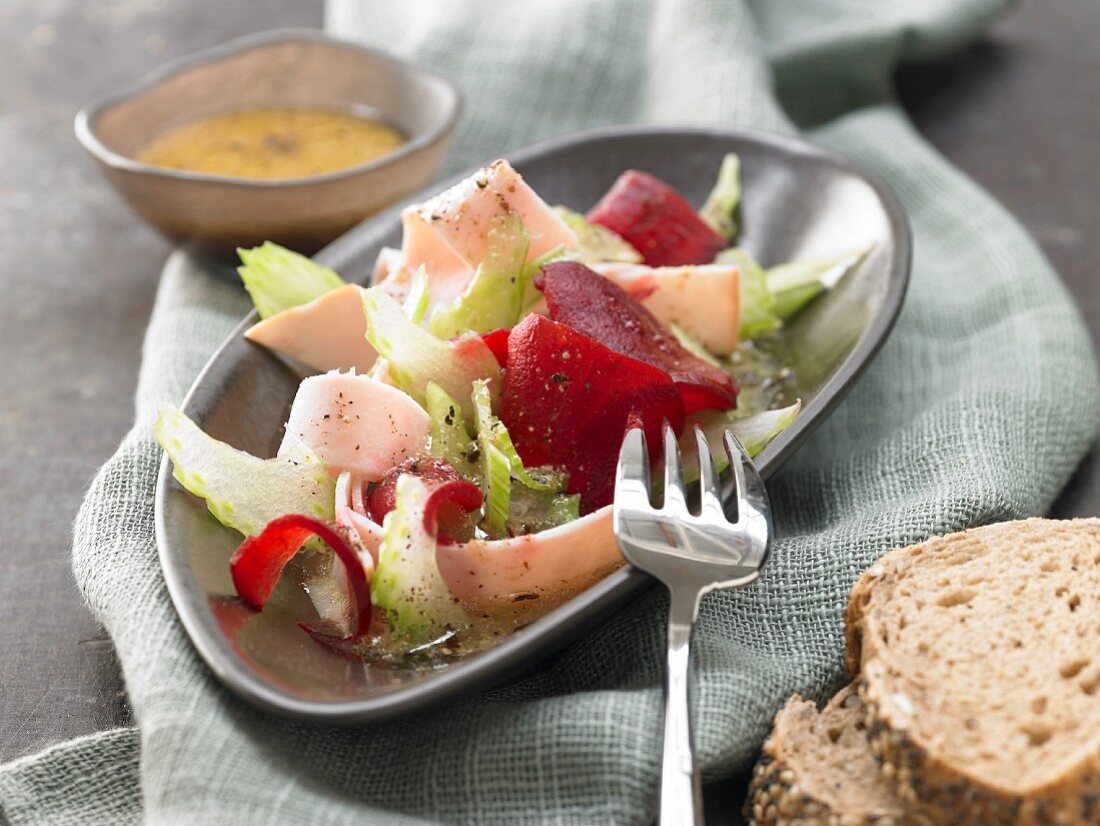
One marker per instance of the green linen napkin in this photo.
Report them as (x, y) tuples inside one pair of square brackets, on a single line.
[(977, 410)]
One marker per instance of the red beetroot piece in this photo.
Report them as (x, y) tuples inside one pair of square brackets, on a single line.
[(452, 498), (497, 342), (597, 307), (567, 401), (656, 220)]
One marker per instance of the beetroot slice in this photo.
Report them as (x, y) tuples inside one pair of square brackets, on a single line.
[(568, 399), (259, 561), (497, 342), (597, 307), (452, 498), (656, 220)]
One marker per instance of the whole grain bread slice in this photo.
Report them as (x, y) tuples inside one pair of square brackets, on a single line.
[(979, 656), (817, 769)]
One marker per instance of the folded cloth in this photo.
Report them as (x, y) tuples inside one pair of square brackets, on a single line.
[(977, 409)]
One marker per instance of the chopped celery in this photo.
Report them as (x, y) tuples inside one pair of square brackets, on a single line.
[(753, 432), (757, 302), (450, 438), (720, 210), (244, 492), (500, 463), (497, 483), (494, 298), (597, 243), (407, 583), (417, 301), (756, 430), (693, 345), (496, 465), (415, 357), (795, 284), (278, 279), (492, 430)]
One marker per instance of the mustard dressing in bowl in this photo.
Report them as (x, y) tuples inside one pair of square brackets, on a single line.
[(272, 143)]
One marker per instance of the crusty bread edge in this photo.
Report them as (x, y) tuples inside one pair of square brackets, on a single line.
[(775, 796), (774, 786), (1068, 800)]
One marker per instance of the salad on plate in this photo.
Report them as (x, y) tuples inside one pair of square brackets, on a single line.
[(447, 469)]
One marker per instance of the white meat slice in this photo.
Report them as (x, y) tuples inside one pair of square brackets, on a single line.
[(356, 423)]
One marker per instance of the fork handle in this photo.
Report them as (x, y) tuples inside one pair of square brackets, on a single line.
[(681, 794)]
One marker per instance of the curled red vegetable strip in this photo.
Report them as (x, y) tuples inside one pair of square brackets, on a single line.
[(256, 565), (448, 507), (452, 498)]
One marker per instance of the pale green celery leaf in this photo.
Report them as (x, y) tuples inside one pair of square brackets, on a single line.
[(416, 358), (494, 297), (406, 583), (757, 302), (720, 210), (450, 437), (418, 299), (531, 511), (242, 491), (795, 284), (596, 243), (693, 345), (278, 279), (753, 432)]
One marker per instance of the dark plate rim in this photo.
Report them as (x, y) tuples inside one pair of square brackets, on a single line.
[(508, 657)]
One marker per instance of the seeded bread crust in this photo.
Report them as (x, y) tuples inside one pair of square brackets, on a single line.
[(792, 785), (916, 764)]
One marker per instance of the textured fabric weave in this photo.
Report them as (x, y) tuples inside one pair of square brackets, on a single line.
[(977, 409)]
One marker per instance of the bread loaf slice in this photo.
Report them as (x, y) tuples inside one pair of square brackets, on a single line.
[(980, 662), (817, 769)]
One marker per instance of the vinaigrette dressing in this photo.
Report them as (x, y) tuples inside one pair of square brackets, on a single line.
[(272, 144)]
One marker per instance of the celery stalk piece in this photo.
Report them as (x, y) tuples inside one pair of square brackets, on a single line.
[(693, 345), (597, 243), (513, 492), (494, 297), (720, 210), (416, 358), (757, 302), (450, 437), (407, 583), (753, 432), (796, 284), (244, 492), (278, 279), (492, 430), (418, 299)]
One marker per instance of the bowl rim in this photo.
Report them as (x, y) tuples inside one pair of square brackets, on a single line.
[(88, 135), (512, 654)]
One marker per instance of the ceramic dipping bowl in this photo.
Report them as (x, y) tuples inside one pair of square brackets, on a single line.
[(284, 68)]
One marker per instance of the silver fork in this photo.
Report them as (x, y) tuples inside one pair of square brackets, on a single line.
[(692, 554)]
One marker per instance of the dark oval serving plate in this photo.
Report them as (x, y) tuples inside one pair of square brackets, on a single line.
[(798, 201)]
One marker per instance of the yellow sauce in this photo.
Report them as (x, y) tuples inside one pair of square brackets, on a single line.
[(272, 143)]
